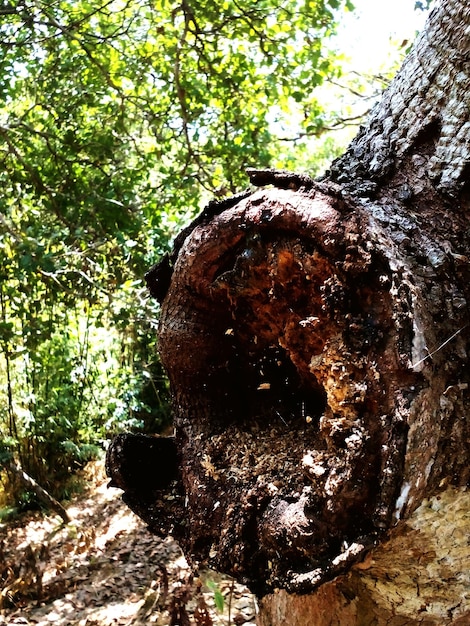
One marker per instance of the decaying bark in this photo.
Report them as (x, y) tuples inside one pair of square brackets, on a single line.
[(316, 337)]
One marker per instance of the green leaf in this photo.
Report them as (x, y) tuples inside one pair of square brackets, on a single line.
[(218, 597)]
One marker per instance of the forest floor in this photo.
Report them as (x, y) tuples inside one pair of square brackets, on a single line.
[(104, 568)]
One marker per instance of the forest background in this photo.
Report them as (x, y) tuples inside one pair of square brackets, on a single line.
[(119, 121)]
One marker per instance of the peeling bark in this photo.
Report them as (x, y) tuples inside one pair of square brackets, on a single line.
[(316, 337)]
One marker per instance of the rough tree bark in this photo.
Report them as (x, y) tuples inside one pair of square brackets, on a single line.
[(316, 337)]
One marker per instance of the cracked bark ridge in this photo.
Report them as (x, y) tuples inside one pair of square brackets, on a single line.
[(424, 110)]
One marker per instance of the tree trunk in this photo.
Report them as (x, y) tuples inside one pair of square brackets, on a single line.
[(316, 339)]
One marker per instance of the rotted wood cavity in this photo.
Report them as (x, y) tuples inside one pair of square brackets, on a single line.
[(280, 341)]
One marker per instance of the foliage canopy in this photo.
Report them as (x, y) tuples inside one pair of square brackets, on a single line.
[(119, 119)]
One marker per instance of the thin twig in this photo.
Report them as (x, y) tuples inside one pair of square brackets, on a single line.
[(428, 356)]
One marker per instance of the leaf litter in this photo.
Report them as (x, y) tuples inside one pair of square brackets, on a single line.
[(106, 569)]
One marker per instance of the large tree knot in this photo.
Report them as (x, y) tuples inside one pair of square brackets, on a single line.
[(276, 332)]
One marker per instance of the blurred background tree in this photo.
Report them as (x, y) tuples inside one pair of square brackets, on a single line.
[(119, 120)]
